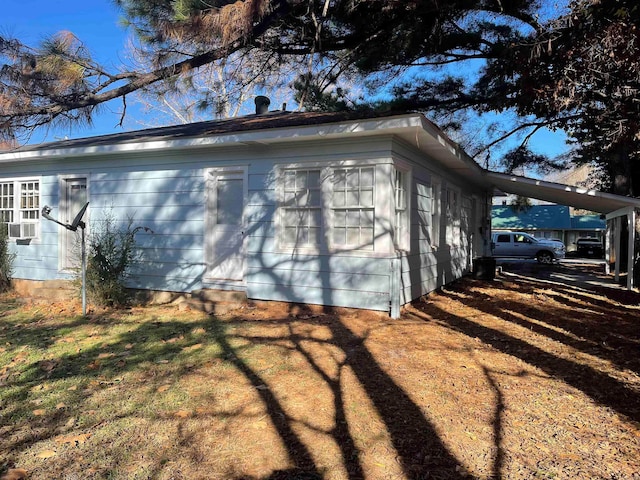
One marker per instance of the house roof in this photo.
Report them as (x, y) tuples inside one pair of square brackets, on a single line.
[(287, 127), (535, 217), (269, 121), (268, 129)]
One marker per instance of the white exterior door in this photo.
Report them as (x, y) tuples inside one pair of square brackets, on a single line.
[(224, 237), (74, 196)]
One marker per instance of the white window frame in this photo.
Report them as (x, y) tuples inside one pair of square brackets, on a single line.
[(327, 179), (436, 210), (17, 209), (452, 211), (402, 206), (296, 199), (362, 208)]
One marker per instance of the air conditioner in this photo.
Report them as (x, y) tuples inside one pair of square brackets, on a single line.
[(21, 231)]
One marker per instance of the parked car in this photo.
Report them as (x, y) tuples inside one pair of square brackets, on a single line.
[(589, 247), (523, 245)]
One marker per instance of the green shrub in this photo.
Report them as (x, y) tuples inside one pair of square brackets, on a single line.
[(111, 253), (6, 260)]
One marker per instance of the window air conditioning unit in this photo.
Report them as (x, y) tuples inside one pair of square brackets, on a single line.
[(22, 231)]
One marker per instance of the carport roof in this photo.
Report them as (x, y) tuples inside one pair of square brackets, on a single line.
[(578, 197)]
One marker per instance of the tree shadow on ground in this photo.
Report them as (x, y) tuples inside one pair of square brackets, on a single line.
[(598, 385), (144, 346), (420, 451)]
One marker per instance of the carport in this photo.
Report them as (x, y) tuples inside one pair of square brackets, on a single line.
[(621, 212)]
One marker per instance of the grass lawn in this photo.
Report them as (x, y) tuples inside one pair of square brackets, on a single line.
[(505, 379)]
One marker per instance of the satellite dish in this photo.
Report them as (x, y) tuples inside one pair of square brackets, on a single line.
[(76, 221)]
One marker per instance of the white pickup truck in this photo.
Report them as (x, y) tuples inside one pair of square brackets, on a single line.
[(523, 245)]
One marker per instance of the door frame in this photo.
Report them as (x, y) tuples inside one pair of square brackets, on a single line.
[(210, 176), (62, 207)]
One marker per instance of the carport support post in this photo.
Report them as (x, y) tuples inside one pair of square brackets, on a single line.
[(631, 217), (616, 242), (607, 246)]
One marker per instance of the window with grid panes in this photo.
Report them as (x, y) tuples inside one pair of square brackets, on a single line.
[(301, 213), (6, 202), (20, 206), (453, 217), (400, 197), (353, 207), (436, 196)]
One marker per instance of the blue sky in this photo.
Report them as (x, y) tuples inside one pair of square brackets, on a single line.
[(96, 24)]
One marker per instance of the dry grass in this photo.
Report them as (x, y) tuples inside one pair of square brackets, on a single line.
[(508, 379)]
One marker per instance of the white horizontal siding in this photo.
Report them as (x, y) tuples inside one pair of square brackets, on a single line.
[(423, 268), (165, 191), (321, 296)]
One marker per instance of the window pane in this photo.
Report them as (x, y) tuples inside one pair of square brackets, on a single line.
[(366, 236), (289, 180), (290, 235), (353, 198), (366, 198), (353, 236), (314, 235), (366, 220), (301, 179), (302, 198), (366, 177), (29, 229), (302, 214), (314, 178), (353, 178), (290, 198), (340, 218), (353, 218), (229, 202), (289, 217), (303, 236), (315, 218), (314, 198)]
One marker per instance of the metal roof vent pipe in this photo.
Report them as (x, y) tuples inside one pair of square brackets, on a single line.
[(262, 104)]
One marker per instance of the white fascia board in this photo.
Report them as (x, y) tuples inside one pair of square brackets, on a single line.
[(380, 126), (621, 212), (457, 158)]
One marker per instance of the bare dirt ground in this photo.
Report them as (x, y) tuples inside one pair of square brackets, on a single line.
[(515, 378)]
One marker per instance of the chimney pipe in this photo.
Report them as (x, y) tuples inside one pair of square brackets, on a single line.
[(262, 104)]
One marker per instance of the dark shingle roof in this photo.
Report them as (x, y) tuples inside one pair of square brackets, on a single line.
[(271, 120)]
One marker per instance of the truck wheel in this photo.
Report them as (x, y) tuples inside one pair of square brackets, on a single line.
[(544, 257)]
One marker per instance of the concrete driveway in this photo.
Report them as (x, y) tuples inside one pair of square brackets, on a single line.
[(584, 273)]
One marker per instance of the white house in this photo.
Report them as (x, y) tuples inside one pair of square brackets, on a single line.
[(334, 209)]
